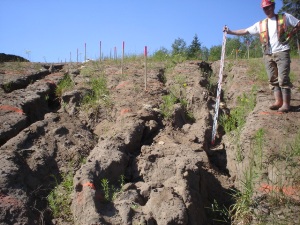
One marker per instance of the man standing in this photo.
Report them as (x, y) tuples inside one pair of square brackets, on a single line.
[(275, 32)]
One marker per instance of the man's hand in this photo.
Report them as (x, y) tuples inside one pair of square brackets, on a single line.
[(225, 29)]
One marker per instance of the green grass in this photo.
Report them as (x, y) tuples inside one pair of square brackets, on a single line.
[(283, 171), (59, 199), (98, 94), (293, 76), (243, 197), (93, 68), (177, 95), (258, 148), (7, 86), (240, 210), (257, 70), (168, 105), (285, 164), (219, 213), (106, 189), (64, 85), (111, 191), (238, 115)]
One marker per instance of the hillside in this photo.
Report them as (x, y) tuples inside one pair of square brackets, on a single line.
[(98, 143)]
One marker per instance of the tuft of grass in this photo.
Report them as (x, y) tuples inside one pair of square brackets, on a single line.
[(237, 118), (64, 85), (295, 146), (177, 95), (283, 173), (240, 210), (243, 198), (7, 87), (99, 94), (59, 199), (219, 214), (258, 148), (168, 105)]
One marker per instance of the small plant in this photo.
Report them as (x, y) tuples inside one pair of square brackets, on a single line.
[(177, 95), (295, 146), (237, 118), (136, 88), (219, 214), (106, 189), (240, 211), (64, 105), (83, 160), (282, 182), (134, 206), (283, 177), (99, 95), (258, 147), (243, 198), (229, 66), (110, 191), (59, 199), (181, 80), (178, 58), (7, 87), (64, 85), (122, 180), (168, 104)]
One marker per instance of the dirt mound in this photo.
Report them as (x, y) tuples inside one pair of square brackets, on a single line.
[(11, 58), (141, 154)]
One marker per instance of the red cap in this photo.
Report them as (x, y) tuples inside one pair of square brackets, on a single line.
[(265, 3)]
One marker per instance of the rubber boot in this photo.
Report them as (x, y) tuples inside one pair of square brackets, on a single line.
[(278, 99), (286, 96)]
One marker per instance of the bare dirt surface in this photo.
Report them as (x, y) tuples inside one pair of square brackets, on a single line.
[(171, 172)]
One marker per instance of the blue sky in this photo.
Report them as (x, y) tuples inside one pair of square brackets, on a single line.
[(52, 31)]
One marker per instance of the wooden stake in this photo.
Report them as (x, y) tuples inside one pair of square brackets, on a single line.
[(77, 56), (145, 55), (123, 56), (100, 52), (84, 52)]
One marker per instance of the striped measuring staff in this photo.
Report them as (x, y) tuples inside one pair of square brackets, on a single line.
[(215, 123)]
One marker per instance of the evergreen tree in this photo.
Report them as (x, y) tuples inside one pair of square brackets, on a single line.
[(194, 50)]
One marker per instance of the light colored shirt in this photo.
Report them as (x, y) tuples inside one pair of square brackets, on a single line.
[(275, 45)]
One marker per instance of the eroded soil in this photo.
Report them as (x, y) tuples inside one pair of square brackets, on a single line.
[(171, 172)]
